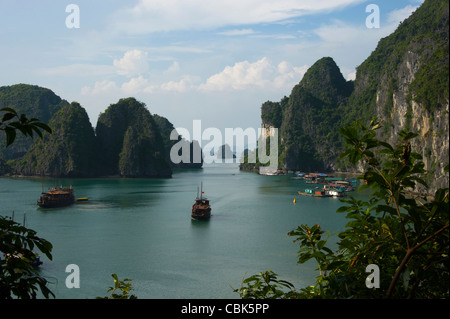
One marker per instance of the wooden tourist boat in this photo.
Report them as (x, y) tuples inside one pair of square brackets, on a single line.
[(57, 197), (201, 210)]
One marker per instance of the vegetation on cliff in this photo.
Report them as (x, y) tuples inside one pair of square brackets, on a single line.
[(35, 102), (71, 151), (130, 142), (18, 275), (166, 128), (404, 83), (310, 118), (424, 33), (393, 246)]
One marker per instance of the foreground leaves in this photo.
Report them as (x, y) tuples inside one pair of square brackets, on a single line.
[(12, 122), (121, 289), (19, 277), (405, 235), (265, 285)]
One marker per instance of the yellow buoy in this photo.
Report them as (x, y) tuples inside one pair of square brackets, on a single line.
[(295, 201)]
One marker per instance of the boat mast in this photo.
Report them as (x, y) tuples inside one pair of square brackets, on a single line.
[(201, 190)]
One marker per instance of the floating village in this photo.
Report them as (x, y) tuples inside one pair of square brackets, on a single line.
[(320, 184)]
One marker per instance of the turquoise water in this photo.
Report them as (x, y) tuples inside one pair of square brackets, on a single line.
[(141, 229)]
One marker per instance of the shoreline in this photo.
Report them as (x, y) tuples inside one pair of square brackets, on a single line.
[(84, 177), (409, 194), (248, 168)]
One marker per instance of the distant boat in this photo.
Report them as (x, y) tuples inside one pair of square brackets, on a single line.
[(57, 197), (201, 210), (335, 192), (314, 193)]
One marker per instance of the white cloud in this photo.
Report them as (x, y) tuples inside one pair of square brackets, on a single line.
[(175, 67), (100, 87), (134, 62), (351, 76), (261, 74), (140, 84), (237, 32), (185, 84), (168, 15), (289, 75), (341, 32), (135, 85), (399, 15), (240, 76)]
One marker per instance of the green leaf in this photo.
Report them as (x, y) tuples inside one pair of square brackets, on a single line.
[(9, 110), (10, 135), (8, 116)]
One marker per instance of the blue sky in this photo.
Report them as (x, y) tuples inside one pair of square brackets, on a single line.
[(214, 61)]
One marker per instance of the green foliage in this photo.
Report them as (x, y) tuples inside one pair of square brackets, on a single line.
[(265, 285), (424, 33), (406, 236), (35, 102), (312, 246), (166, 128), (272, 112), (70, 151), (32, 100), (121, 289), (12, 122), (130, 142), (18, 276), (323, 101), (431, 81), (309, 119)]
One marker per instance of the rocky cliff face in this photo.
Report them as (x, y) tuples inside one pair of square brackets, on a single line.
[(307, 120), (408, 75), (312, 109), (35, 102), (404, 83), (405, 113), (130, 141), (70, 151), (166, 128)]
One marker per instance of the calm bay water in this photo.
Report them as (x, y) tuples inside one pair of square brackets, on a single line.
[(141, 229)]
